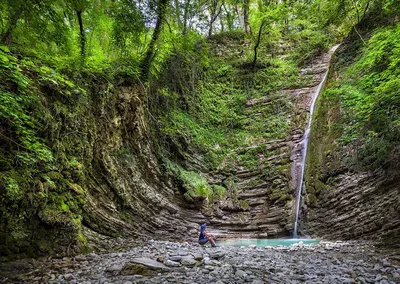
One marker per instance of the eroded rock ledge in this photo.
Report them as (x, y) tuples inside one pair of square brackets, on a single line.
[(356, 205)]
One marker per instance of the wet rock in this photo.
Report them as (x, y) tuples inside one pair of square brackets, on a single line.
[(257, 281), (198, 256), (385, 263), (80, 257), (342, 264), (348, 281), (206, 261), (182, 253), (298, 277), (352, 273), (361, 280)]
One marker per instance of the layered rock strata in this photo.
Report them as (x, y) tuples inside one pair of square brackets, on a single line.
[(357, 205), (343, 199), (128, 194), (269, 190)]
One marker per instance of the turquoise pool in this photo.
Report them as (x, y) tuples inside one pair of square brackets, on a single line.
[(266, 242)]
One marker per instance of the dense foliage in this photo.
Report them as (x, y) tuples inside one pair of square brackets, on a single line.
[(39, 182), (71, 33), (369, 95)]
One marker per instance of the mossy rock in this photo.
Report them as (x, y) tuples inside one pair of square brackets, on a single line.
[(76, 188), (285, 197), (56, 217), (244, 204), (54, 176)]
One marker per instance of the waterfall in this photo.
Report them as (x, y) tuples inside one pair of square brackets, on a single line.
[(304, 144)]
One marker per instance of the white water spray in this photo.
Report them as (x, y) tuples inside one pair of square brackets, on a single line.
[(304, 144)]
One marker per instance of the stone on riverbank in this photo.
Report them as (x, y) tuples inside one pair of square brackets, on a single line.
[(341, 262), (143, 266)]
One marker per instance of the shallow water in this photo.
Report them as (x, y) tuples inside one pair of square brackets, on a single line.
[(267, 242)]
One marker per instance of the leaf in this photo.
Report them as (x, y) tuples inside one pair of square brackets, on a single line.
[(4, 48), (4, 58)]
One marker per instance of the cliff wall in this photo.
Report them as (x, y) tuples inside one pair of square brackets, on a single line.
[(352, 181)]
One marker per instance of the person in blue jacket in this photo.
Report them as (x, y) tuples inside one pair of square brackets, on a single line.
[(205, 237)]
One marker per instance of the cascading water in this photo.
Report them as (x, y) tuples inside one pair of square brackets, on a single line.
[(304, 144)]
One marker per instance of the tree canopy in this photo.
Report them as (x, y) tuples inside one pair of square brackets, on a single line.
[(67, 32)]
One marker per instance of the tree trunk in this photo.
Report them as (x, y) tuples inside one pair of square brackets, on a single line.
[(366, 8), (286, 26), (246, 8), (257, 43), (239, 16), (229, 18), (214, 13), (185, 17), (7, 36), (81, 32), (146, 62), (178, 14)]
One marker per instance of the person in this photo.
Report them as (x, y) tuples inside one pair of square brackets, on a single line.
[(205, 237)]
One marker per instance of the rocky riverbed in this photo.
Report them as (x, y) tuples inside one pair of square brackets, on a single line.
[(171, 262)]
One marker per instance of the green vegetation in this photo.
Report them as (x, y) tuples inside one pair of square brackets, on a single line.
[(213, 115), (193, 184), (38, 183), (356, 125), (367, 93), (371, 100), (210, 113), (84, 83)]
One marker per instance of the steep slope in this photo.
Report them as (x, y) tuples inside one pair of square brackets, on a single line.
[(265, 193), (353, 176), (76, 159)]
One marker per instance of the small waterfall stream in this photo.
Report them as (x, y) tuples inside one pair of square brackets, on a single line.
[(304, 144)]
